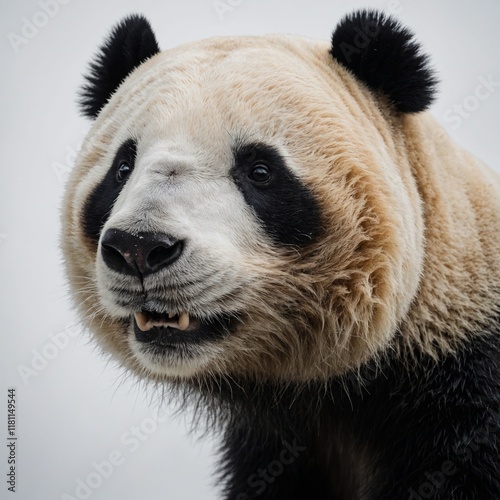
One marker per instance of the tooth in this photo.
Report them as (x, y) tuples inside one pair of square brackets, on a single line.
[(183, 321), (143, 321), (171, 315)]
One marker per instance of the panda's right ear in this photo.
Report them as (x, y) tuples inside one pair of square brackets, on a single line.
[(129, 44)]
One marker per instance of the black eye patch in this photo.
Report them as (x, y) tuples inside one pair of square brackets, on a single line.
[(284, 205), (99, 204)]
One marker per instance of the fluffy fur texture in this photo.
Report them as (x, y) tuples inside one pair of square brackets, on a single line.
[(357, 360), (383, 54), (130, 43)]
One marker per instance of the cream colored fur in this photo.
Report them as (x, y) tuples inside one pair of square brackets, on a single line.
[(411, 221)]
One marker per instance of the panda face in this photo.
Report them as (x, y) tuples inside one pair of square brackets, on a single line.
[(240, 206), (179, 240)]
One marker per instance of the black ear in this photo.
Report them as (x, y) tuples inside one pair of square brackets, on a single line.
[(383, 54), (129, 44)]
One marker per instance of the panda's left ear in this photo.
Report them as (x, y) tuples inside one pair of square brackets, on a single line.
[(129, 44), (384, 55)]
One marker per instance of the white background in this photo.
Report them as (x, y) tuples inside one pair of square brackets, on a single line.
[(76, 409)]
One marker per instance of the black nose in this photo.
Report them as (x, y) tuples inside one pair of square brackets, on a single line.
[(141, 254)]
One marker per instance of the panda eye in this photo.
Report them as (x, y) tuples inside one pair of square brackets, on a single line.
[(260, 174), (122, 171)]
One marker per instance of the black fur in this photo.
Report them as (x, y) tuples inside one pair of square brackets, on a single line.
[(100, 202), (283, 203), (431, 431), (384, 55), (130, 43)]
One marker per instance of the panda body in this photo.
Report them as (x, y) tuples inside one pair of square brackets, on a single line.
[(275, 229)]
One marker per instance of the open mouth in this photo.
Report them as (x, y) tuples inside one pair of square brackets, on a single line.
[(171, 330), (146, 320)]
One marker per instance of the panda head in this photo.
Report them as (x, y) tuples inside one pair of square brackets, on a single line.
[(244, 206)]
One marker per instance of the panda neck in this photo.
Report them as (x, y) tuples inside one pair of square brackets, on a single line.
[(460, 285)]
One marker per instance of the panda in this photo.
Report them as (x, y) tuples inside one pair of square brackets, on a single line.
[(276, 231)]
